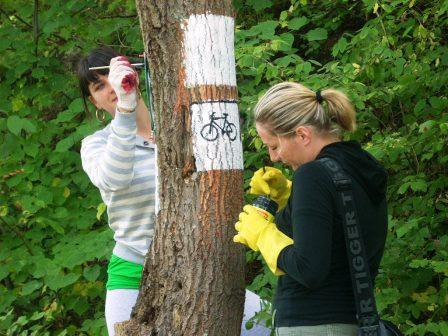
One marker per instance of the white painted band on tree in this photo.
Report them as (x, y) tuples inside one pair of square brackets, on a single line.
[(216, 136), (209, 52)]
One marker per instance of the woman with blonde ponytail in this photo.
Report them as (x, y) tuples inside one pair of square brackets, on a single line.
[(305, 246)]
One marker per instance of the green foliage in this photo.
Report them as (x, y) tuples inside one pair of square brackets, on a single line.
[(54, 238), (389, 56)]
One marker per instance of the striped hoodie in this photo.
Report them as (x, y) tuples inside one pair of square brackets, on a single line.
[(122, 166)]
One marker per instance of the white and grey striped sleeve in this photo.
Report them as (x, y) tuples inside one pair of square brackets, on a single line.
[(108, 159)]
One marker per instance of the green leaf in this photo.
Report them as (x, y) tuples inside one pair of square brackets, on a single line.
[(437, 102), (74, 138), (65, 144), (315, 62), (246, 61), (91, 273), (31, 149), (271, 72), (364, 32), (340, 46), (29, 126), (101, 208), (317, 34), (416, 263), (15, 124), (287, 39), (37, 316), (66, 115), (399, 66), (407, 227), (421, 104), (20, 69), (4, 272), (84, 247), (283, 62), (60, 213), (44, 194), (440, 266), (76, 105), (297, 23), (419, 185), (80, 306), (266, 29), (303, 68), (426, 126), (4, 43), (7, 297), (259, 5), (32, 204), (38, 73), (58, 281), (283, 16), (386, 297), (56, 226), (30, 287), (50, 26), (43, 266)]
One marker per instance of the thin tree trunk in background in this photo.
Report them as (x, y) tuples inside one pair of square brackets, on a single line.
[(193, 281)]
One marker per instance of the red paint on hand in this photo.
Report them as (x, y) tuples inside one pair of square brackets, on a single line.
[(124, 59), (129, 82)]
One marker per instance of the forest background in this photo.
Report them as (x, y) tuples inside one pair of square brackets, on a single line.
[(389, 56)]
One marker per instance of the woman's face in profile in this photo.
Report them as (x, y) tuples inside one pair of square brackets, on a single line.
[(285, 149), (102, 95)]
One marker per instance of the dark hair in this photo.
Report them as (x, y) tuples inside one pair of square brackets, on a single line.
[(97, 57)]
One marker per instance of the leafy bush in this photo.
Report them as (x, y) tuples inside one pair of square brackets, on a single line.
[(54, 237)]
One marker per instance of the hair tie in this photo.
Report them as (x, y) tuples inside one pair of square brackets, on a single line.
[(319, 97)]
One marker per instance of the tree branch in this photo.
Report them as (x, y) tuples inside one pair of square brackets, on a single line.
[(36, 25), (118, 17), (17, 17), (19, 234), (29, 25)]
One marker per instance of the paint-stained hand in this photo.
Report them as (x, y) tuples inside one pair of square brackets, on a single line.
[(124, 80)]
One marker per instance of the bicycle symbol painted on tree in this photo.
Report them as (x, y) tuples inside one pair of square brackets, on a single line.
[(210, 131)]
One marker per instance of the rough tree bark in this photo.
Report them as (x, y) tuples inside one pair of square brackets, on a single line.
[(193, 280)]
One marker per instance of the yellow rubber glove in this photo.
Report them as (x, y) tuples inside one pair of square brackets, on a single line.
[(261, 235), (249, 227), (271, 242), (271, 182)]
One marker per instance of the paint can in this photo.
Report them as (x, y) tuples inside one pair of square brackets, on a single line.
[(266, 207)]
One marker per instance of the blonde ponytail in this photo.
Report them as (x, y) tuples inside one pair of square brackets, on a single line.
[(340, 109), (288, 105)]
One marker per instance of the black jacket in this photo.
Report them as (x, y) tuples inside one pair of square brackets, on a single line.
[(317, 286)]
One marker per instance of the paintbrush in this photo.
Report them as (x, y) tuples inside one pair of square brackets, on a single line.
[(135, 65)]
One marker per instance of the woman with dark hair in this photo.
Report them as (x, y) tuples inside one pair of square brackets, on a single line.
[(306, 246), (120, 161)]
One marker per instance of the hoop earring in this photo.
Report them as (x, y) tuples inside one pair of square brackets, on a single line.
[(100, 115)]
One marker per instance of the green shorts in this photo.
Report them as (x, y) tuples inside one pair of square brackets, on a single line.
[(123, 274)]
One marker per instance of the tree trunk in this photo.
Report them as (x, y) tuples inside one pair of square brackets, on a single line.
[(193, 279)]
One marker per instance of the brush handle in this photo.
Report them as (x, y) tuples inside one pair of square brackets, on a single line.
[(135, 65)]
